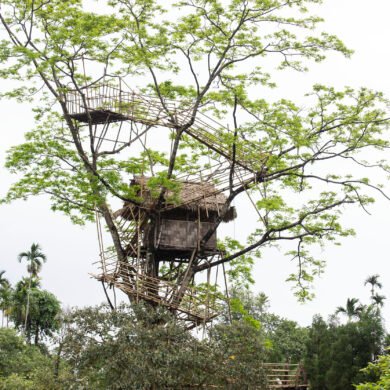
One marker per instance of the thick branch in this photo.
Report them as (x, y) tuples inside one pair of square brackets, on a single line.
[(268, 235)]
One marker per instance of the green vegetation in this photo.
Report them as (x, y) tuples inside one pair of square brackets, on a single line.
[(309, 164), (380, 369), (336, 353), (103, 349), (5, 298), (44, 308), (34, 258), (23, 366), (31, 310), (160, 355), (351, 310), (285, 338), (144, 347)]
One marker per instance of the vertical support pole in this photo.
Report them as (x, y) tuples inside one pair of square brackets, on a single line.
[(207, 313), (227, 293), (120, 95)]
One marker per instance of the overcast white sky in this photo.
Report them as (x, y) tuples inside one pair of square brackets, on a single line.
[(363, 26)]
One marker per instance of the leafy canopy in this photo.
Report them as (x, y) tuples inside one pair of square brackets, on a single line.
[(212, 56)]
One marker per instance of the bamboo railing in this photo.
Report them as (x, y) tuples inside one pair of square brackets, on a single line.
[(278, 376), (105, 103), (198, 305), (285, 376)]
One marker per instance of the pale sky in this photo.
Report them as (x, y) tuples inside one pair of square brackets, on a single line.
[(364, 27)]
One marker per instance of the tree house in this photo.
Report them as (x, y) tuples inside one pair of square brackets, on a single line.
[(187, 215), (166, 225)]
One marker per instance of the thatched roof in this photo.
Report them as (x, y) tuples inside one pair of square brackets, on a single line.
[(187, 195)]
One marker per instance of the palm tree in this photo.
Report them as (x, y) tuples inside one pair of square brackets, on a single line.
[(2, 278), (5, 301), (379, 300), (262, 301), (19, 299), (34, 257), (373, 281), (351, 310), (4, 287)]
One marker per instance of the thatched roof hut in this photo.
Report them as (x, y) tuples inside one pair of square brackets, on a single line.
[(184, 199), (189, 211)]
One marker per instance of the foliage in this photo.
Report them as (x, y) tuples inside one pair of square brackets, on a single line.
[(336, 354), (98, 348), (380, 369), (42, 317), (5, 297), (351, 310), (123, 350), (34, 258), (373, 281), (3, 281), (286, 340), (317, 359), (23, 366), (378, 300), (240, 269), (145, 347), (112, 350), (240, 348)]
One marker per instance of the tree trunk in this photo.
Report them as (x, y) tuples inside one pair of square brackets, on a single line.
[(36, 339), (57, 361), (28, 303)]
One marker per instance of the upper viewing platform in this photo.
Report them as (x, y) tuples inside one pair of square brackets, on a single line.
[(104, 104)]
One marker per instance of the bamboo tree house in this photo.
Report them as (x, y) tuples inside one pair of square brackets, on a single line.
[(166, 226), (179, 227)]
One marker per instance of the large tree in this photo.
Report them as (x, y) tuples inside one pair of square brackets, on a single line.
[(24, 366), (336, 354), (42, 318), (286, 338), (148, 348), (210, 57)]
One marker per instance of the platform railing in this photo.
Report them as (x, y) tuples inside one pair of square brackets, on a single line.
[(199, 304), (150, 110), (285, 376)]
